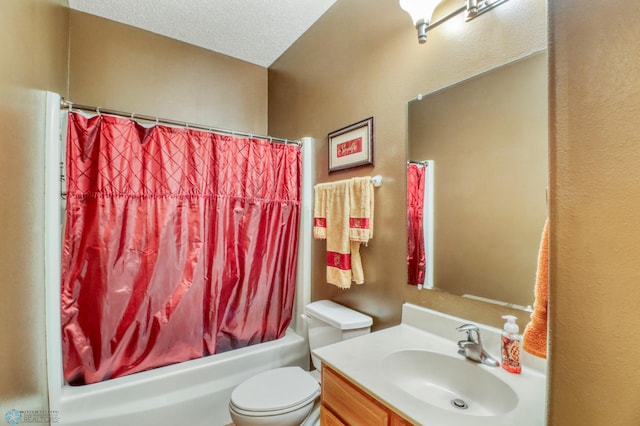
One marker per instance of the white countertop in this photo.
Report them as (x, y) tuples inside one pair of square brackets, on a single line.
[(361, 360)]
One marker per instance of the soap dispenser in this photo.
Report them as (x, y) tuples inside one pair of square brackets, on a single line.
[(511, 345)]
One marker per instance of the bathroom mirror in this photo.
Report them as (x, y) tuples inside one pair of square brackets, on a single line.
[(487, 138)]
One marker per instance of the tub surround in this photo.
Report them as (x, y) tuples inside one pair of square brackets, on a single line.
[(361, 361)]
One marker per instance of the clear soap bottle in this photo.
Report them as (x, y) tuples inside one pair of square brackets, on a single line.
[(511, 340)]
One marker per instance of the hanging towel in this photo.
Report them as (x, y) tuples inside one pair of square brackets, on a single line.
[(360, 222), (331, 222), (343, 216), (361, 210), (534, 339), (320, 211)]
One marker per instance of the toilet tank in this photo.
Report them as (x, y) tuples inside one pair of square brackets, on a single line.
[(330, 322)]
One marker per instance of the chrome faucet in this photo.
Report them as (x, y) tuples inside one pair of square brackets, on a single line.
[(472, 347)]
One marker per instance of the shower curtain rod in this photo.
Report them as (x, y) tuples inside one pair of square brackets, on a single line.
[(65, 104), (420, 163)]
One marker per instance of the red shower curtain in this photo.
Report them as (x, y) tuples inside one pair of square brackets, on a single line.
[(416, 261), (178, 244)]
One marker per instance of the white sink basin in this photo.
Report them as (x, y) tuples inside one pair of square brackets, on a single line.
[(449, 382)]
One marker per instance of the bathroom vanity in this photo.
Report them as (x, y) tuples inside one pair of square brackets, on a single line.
[(412, 374)]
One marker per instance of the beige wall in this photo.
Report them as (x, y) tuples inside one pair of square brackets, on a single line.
[(595, 211), (359, 61), (124, 68), (34, 37)]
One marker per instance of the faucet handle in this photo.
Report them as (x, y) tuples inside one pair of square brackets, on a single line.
[(471, 328), (468, 327)]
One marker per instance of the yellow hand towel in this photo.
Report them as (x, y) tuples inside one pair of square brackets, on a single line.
[(534, 339), (361, 210), (320, 212), (331, 222), (360, 222)]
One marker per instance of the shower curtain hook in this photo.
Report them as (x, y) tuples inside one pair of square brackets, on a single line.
[(98, 111), (132, 117)]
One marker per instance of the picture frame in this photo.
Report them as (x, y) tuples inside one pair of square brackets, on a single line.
[(351, 146)]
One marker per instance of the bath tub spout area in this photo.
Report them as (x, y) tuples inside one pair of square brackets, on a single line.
[(194, 393)]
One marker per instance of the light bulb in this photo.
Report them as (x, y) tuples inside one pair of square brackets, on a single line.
[(419, 10)]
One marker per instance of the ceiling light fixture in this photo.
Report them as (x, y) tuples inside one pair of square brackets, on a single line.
[(422, 10)]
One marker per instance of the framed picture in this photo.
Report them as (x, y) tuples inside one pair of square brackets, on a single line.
[(351, 146)]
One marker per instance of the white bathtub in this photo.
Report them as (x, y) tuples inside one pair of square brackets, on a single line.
[(194, 393)]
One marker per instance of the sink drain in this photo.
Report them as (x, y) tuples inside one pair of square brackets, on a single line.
[(459, 403)]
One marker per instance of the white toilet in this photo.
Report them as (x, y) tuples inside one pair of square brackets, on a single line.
[(285, 396)]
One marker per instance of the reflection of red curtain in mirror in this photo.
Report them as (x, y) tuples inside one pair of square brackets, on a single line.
[(178, 244), (416, 261)]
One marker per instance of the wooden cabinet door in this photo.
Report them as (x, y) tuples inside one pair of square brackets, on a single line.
[(350, 404), (327, 418), (396, 420)]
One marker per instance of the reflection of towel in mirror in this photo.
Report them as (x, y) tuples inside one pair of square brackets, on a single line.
[(343, 215), (534, 339)]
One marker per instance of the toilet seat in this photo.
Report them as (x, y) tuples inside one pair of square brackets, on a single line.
[(275, 392)]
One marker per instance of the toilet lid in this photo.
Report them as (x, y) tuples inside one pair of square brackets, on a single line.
[(276, 389)]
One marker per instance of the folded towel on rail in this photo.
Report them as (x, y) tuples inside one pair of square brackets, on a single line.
[(320, 211), (534, 339), (360, 221), (343, 215), (361, 210)]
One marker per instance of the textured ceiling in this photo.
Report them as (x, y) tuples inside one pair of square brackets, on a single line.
[(256, 31)]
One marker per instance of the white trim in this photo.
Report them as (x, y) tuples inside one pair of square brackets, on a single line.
[(52, 250), (303, 282), (429, 212)]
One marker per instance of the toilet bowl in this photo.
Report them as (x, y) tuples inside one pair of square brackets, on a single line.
[(286, 396), (282, 396)]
